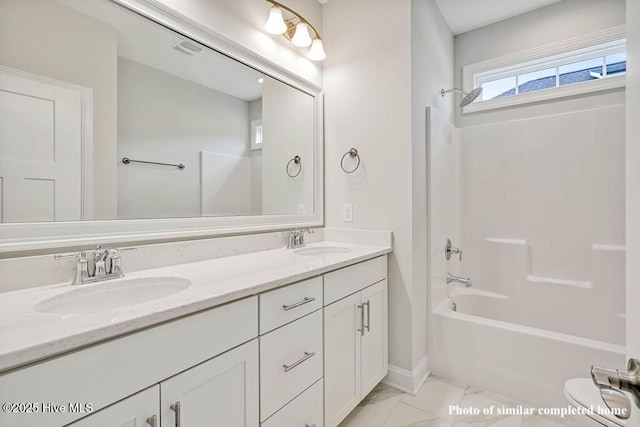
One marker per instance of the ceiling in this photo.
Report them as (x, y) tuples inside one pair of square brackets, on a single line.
[(148, 43), (467, 15)]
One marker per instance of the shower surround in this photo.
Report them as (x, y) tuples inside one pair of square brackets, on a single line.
[(537, 204)]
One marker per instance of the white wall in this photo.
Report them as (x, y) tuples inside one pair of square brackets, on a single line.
[(63, 44), (367, 84), (374, 95), (633, 178), (242, 21), (287, 129), (559, 21), (164, 118)]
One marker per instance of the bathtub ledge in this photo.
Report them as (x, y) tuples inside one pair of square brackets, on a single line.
[(562, 282)]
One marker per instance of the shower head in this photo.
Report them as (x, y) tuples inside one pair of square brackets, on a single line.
[(468, 97)]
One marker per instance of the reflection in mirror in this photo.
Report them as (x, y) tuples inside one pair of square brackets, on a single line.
[(91, 84)]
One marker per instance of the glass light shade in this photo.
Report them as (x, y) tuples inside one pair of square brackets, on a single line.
[(316, 52), (301, 37), (275, 24)]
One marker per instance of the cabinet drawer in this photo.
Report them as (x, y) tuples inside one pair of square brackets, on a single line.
[(285, 305), (304, 410), (290, 361), (346, 281)]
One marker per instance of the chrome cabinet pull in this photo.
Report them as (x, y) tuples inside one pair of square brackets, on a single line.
[(361, 330), (176, 408), (287, 368), (306, 300), (152, 421), (367, 326), (307, 425)]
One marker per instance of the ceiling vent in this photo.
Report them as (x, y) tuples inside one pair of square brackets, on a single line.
[(188, 48)]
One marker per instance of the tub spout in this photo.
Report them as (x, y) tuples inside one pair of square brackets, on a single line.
[(462, 280)]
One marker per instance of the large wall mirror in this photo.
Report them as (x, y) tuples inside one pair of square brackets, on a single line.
[(107, 116)]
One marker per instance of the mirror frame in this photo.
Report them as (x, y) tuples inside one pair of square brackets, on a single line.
[(19, 237)]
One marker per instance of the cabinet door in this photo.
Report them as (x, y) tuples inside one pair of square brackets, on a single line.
[(139, 410), (374, 340), (221, 392), (342, 325)]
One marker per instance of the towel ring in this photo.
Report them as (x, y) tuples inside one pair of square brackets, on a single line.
[(298, 161), (353, 153)]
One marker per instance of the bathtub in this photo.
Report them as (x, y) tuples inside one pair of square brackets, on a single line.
[(476, 346)]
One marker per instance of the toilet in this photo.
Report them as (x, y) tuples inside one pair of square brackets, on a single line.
[(583, 394)]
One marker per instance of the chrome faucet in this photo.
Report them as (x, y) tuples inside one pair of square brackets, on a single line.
[(106, 265), (99, 261), (612, 383), (296, 237), (462, 280)]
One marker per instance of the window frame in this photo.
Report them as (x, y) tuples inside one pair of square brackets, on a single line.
[(601, 43), (255, 143)]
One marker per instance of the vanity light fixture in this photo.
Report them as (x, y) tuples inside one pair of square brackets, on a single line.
[(295, 29)]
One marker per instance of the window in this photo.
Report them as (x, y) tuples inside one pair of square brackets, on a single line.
[(591, 63), (256, 135)]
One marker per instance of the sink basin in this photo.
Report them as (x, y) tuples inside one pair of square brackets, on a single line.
[(322, 250), (109, 295)]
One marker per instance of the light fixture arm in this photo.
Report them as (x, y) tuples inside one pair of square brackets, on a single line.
[(297, 15)]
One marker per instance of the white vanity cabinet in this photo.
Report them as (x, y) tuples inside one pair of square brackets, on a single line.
[(301, 355), (355, 337)]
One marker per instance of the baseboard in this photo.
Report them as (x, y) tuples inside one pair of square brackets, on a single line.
[(408, 381)]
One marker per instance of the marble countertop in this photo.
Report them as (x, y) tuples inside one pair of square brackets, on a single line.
[(27, 336)]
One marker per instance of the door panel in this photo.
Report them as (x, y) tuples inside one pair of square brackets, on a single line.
[(40, 151), (374, 340), (221, 392), (342, 349)]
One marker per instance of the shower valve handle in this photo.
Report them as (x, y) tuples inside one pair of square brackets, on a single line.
[(451, 250)]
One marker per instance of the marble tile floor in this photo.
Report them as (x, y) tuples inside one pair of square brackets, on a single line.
[(388, 407)]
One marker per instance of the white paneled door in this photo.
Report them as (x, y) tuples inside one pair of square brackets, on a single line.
[(342, 348), (40, 150), (374, 341), (221, 392)]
